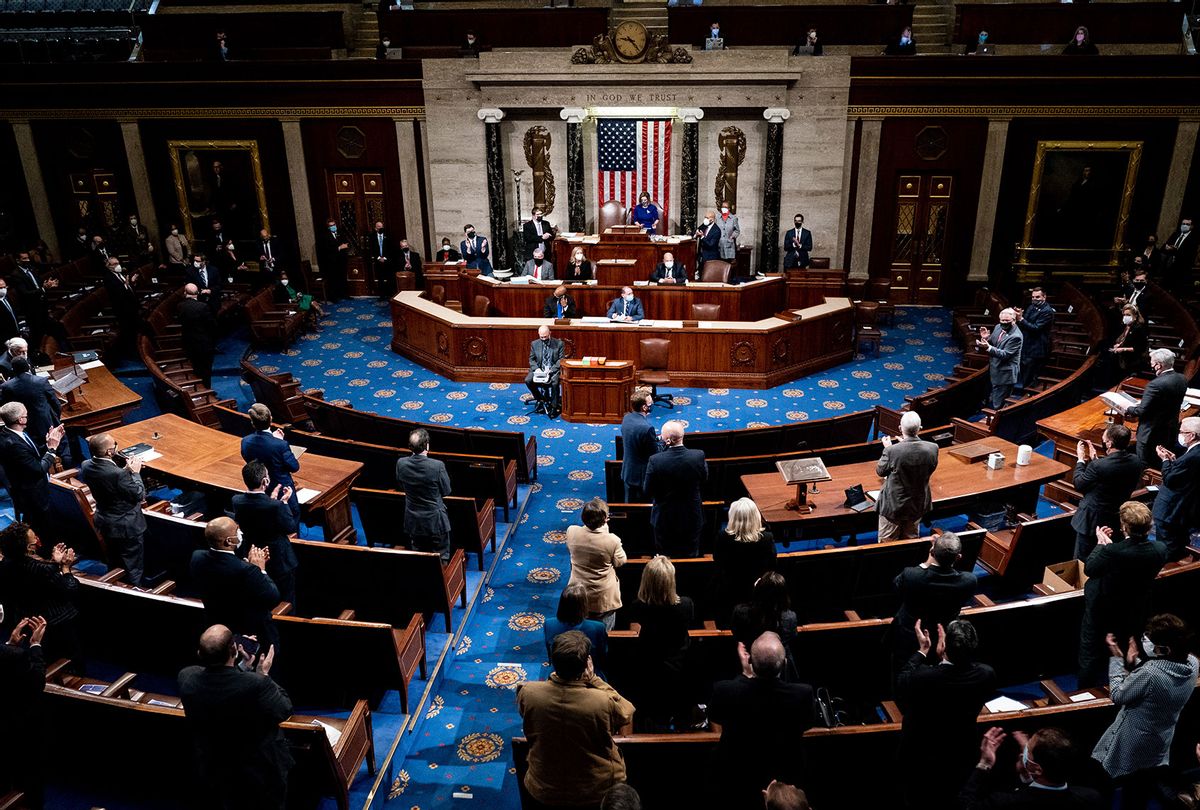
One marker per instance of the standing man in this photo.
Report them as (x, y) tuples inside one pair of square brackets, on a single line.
[(668, 272), (537, 232), (198, 333), (1036, 323), (673, 480), (38, 397), (1106, 482), (380, 253), (797, 244), (30, 293), (1179, 255), (545, 360), (638, 443), (268, 253), (22, 687), (27, 467), (234, 716), (560, 305), (116, 485), (10, 323), (709, 235), (730, 231), (626, 308), (208, 281), (333, 254), (1177, 504), (137, 240), (409, 261), (931, 593), (1158, 411), (124, 301), (269, 447), (237, 593), (475, 250), (266, 521), (905, 468), (537, 268), (1003, 347), (425, 483)]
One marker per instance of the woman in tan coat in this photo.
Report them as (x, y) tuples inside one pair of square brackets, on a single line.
[(595, 556)]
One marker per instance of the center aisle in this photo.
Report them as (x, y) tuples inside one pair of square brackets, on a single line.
[(461, 741)]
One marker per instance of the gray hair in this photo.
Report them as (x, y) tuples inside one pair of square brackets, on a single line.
[(16, 343), (946, 549), (910, 423), (1164, 357), (12, 412), (767, 656)]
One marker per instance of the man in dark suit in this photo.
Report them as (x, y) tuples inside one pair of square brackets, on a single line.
[(1158, 411), (905, 467), (1177, 504), (1003, 348), (266, 520), (425, 483), (26, 467), (124, 301), (10, 323), (100, 254), (673, 480), (931, 593), (269, 447), (236, 593), (1116, 597), (639, 442), (269, 253), (626, 308), (208, 280), (38, 397), (762, 721), (537, 232), (30, 292), (1179, 257), (408, 260), (1036, 323), (476, 250), (709, 234), (234, 716), (560, 305), (797, 244), (116, 485), (941, 691), (669, 271), (14, 348), (22, 682), (545, 360), (1043, 767), (198, 333), (1106, 482), (1135, 294), (380, 250), (333, 254)]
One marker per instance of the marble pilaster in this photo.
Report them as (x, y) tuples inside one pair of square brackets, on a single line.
[(136, 159), (768, 253), (36, 184), (293, 145), (410, 186), (689, 175), (497, 198), (864, 197), (989, 196), (1181, 168), (576, 215)]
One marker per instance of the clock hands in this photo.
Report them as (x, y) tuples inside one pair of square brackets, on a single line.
[(630, 41)]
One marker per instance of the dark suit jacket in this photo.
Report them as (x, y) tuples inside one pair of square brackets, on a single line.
[(119, 493), (1182, 259), (199, 327), (980, 794), (331, 260), (276, 254), (387, 252), (216, 283), (266, 522), (710, 244), (934, 595), (234, 718), (9, 320), (1036, 324), (1106, 483), (1178, 499), (639, 442), (532, 240), (425, 482), (478, 254), (447, 255), (414, 261), (123, 299), (29, 293), (550, 310), (22, 681), (793, 256), (906, 467), (894, 48), (25, 469), (235, 594), (38, 397), (1116, 597), (633, 310), (585, 272), (549, 356), (673, 480), (678, 272), (273, 452), (1158, 414)]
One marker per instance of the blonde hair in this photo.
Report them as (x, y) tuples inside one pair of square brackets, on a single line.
[(1135, 518), (745, 521), (658, 583)]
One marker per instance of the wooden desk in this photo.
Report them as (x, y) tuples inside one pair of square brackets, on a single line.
[(197, 455), (102, 403), (648, 254), (596, 393), (1086, 420), (954, 485)]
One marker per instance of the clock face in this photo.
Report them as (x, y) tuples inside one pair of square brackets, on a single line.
[(629, 39)]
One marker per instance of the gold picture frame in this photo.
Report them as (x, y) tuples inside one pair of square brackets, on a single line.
[(239, 200), (1070, 220)]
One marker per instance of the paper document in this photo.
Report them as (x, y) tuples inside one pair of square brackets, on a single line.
[(332, 733), (304, 494), (1004, 704), (1083, 697), (92, 688), (163, 703), (297, 450), (1118, 399), (148, 455), (91, 365), (873, 494)]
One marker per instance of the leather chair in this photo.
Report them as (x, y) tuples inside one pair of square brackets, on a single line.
[(716, 270), (611, 213), (856, 289), (880, 289), (662, 224), (866, 313), (706, 312), (437, 294), (483, 306), (652, 367), (818, 262)]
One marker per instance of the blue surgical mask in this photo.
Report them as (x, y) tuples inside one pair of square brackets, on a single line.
[(1147, 647), (333, 228)]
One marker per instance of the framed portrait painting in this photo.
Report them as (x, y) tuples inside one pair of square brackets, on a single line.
[(219, 181)]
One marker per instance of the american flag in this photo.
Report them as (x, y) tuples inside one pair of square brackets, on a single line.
[(635, 156)]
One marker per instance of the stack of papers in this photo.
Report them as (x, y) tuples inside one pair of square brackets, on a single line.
[(304, 494), (1004, 704), (1118, 399)]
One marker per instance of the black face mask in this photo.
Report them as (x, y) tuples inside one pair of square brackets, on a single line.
[(1139, 285), (799, 225)]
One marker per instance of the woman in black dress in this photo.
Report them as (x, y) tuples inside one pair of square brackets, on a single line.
[(663, 641), (743, 553), (769, 608)]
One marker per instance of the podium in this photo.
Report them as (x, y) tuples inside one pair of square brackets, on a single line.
[(595, 393)]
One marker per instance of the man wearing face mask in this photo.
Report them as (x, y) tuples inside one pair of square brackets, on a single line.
[(9, 322), (537, 231), (116, 485), (1106, 482), (333, 253), (177, 249), (1177, 504), (137, 240), (124, 301), (446, 253), (545, 359), (538, 268), (904, 45), (797, 244), (669, 271), (1003, 348), (811, 46), (1043, 769), (409, 261), (380, 249), (198, 328), (709, 235), (626, 308), (1158, 411), (1036, 323), (476, 250), (80, 246), (1179, 256), (981, 42), (1151, 258), (208, 281), (30, 293), (714, 35), (560, 305)]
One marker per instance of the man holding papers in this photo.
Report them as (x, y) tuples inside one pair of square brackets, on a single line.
[(1158, 410), (626, 309)]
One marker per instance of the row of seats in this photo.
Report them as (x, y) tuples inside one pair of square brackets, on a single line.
[(57, 6), (66, 46)]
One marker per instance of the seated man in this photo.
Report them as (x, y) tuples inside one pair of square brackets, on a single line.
[(669, 271), (626, 309), (560, 305), (537, 268), (545, 357)]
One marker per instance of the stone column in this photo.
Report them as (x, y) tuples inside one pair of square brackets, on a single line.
[(1181, 167), (293, 144), (136, 159), (864, 216), (410, 184), (497, 202), (689, 180), (576, 216), (768, 252), (36, 184), (989, 196)]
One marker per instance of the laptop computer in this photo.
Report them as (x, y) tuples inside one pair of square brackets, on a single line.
[(714, 44)]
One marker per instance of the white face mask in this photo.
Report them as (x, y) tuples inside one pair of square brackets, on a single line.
[(174, 232), (1147, 647), (578, 257), (1181, 438), (1184, 228), (283, 281), (630, 298), (668, 265), (724, 210), (3, 293), (1127, 319), (707, 221)]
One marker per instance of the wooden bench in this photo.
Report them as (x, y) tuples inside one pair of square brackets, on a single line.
[(270, 325), (1021, 553), (279, 392), (472, 527)]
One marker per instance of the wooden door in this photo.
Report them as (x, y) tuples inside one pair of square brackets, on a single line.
[(357, 200), (920, 237)]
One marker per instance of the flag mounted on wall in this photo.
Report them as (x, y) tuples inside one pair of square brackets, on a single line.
[(635, 156)]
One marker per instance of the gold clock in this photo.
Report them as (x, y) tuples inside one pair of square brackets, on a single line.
[(629, 40)]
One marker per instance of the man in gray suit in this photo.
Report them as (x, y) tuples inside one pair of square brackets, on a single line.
[(905, 467), (538, 268), (424, 482), (116, 484), (1158, 412), (545, 360), (1003, 347)]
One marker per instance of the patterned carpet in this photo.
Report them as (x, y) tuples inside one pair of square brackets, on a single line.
[(460, 743)]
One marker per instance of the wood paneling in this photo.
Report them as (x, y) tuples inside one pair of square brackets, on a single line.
[(17, 226), (251, 35), (647, 254), (787, 24), (1037, 23), (495, 27)]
